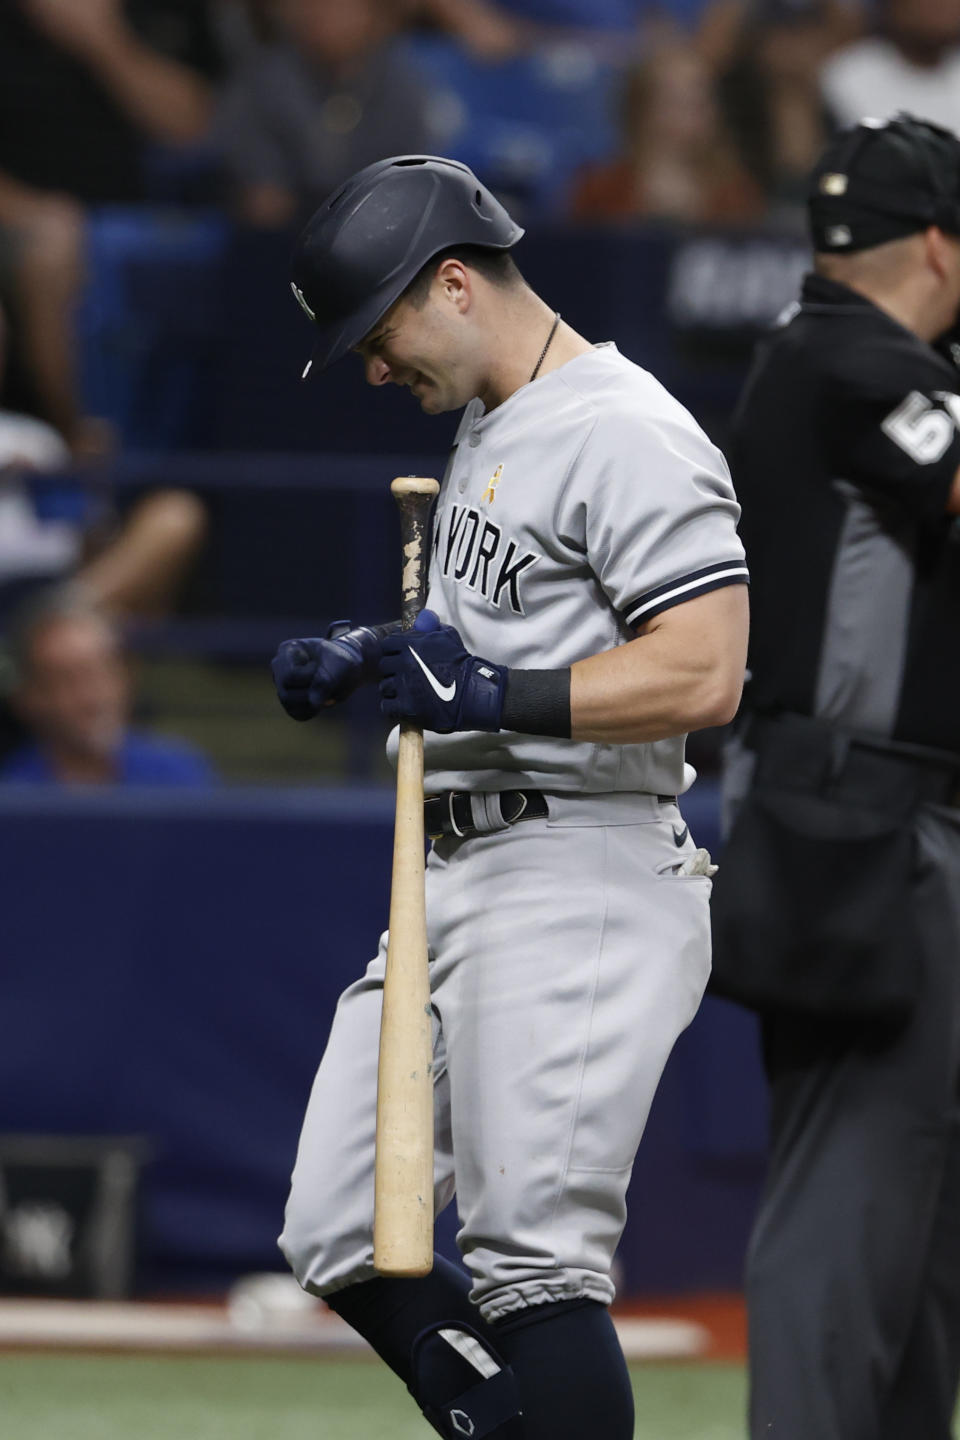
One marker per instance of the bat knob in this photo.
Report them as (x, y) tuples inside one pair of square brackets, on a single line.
[(407, 486)]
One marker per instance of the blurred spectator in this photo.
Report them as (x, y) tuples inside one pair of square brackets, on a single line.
[(487, 30), (496, 29), (721, 23), (677, 162), (911, 63), (86, 87), (72, 690), (610, 16), (770, 93), (330, 94), (133, 567)]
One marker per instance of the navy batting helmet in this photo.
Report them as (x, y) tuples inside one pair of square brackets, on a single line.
[(366, 243), (883, 179)]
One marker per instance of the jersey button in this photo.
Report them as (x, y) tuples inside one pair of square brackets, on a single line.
[(473, 440), (462, 484)]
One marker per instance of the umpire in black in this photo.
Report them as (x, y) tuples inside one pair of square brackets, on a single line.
[(837, 906)]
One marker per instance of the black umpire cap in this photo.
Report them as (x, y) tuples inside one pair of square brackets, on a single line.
[(884, 179), (370, 238)]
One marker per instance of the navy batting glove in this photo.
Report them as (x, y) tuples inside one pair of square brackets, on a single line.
[(427, 676), (311, 674)]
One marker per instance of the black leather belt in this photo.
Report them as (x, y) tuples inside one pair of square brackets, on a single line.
[(462, 813), (471, 812)]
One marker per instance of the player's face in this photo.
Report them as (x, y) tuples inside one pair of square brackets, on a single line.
[(422, 348)]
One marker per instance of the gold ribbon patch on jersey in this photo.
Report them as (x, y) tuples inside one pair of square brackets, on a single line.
[(490, 493)]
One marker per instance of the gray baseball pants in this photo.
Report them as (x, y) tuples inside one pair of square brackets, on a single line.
[(567, 955)]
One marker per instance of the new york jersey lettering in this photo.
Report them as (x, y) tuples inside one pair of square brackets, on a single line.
[(476, 552)]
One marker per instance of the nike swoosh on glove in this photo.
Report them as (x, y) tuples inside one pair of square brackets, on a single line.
[(314, 673), (429, 677)]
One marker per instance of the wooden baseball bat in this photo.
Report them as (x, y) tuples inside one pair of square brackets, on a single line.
[(403, 1202)]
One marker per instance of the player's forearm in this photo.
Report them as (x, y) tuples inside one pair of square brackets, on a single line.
[(616, 702), (663, 683), (684, 673), (165, 98)]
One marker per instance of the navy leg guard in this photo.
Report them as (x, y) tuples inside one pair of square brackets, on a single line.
[(390, 1314), (463, 1386), (570, 1370)]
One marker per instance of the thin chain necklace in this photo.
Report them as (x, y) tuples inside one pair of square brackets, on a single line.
[(553, 331)]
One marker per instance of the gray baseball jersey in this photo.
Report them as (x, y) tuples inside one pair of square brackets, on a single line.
[(587, 503), (568, 952)]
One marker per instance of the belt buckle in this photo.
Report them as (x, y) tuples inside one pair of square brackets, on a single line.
[(449, 824), (428, 800), (454, 827)]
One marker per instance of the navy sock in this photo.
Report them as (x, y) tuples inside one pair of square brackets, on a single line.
[(570, 1370), (390, 1314)]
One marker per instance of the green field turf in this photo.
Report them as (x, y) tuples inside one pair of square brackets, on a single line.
[(76, 1397)]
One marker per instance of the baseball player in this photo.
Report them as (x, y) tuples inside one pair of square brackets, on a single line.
[(586, 609)]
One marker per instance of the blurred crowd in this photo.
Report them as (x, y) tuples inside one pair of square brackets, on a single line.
[(262, 106), (612, 112)]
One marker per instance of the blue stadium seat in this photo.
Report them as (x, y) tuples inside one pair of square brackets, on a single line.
[(524, 124), (148, 319), (609, 17)]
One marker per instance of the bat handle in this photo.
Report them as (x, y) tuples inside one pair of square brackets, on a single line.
[(414, 495)]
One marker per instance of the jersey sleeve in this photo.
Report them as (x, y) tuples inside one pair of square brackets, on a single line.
[(661, 514), (892, 416)]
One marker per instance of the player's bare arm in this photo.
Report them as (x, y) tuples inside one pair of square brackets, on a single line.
[(684, 672)]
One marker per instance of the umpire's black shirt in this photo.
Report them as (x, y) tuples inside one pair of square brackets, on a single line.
[(846, 442)]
